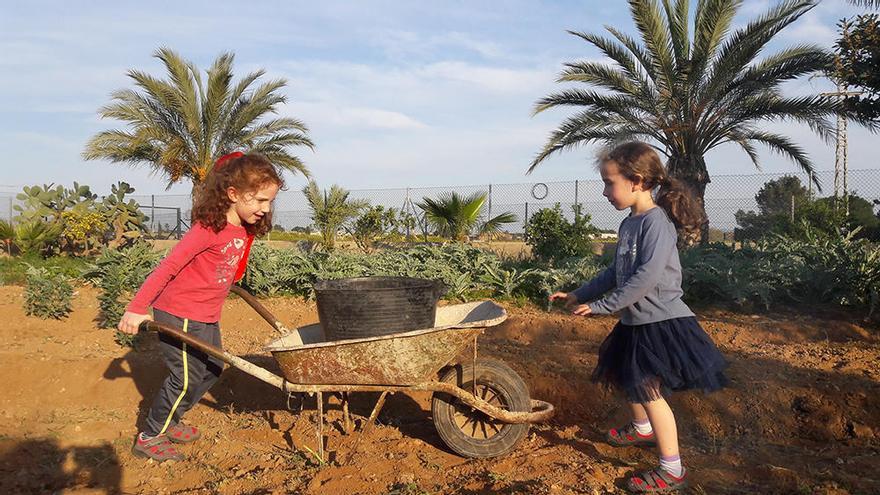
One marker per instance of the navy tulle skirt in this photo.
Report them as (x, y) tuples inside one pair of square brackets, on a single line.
[(648, 361)]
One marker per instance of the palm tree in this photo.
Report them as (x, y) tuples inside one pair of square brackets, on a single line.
[(457, 217), (180, 126), (687, 95), (871, 4), (331, 210)]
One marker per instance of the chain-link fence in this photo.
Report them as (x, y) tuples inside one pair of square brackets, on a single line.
[(169, 214)]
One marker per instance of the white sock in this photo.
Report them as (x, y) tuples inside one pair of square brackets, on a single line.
[(672, 465), (643, 427), (144, 437)]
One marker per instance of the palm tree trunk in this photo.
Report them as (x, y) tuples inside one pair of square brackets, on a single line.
[(197, 189), (692, 171)]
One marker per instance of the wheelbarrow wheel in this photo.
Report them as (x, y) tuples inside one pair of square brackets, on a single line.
[(472, 433)]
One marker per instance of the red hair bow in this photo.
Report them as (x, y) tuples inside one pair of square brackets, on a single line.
[(225, 158)]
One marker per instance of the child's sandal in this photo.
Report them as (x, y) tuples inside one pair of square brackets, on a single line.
[(181, 433), (157, 448), (657, 481), (628, 436)]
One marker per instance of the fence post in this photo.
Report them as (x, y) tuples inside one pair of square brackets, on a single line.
[(489, 215), (406, 207), (792, 208), (178, 224), (526, 219), (152, 213), (576, 201)]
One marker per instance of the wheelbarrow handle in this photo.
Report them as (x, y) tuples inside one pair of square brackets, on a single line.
[(258, 307), (231, 359)]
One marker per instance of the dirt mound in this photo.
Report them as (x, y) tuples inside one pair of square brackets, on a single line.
[(802, 414)]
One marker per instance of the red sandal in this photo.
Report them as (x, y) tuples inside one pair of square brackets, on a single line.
[(157, 448), (657, 481), (181, 433), (628, 435)]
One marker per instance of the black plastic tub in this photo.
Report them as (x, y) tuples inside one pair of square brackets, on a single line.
[(353, 308)]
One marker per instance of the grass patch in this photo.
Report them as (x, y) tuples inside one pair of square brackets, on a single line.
[(13, 269)]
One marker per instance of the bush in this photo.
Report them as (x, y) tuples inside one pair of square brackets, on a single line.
[(374, 225), (717, 273), (47, 294), (285, 271), (52, 220), (36, 236), (809, 267), (827, 268), (553, 237), (785, 207), (13, 270), (567, 275), (118, 273)]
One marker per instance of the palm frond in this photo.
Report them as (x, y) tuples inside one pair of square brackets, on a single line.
[(656, 37), (180, 125), (496, 223), (687, 93)]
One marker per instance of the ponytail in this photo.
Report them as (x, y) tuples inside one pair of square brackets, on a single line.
[(639, 161), (680, 203)]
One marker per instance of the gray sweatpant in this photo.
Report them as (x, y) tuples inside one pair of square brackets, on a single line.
[(190, 372)]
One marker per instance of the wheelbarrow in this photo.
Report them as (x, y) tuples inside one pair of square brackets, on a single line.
[(480, 407)]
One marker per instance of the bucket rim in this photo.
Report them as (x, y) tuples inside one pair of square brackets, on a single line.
[(420, 283)]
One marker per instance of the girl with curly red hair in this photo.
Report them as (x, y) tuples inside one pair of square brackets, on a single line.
[(189, 286)]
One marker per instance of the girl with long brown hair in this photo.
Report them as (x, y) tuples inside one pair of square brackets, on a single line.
[(657, 346)]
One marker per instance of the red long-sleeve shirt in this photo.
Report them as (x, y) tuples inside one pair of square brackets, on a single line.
[(194, 279)]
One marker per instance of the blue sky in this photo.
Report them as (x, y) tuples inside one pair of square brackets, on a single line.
[(395, 94)]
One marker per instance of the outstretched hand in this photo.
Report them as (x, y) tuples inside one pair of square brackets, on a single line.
[(130, 322), (571, 303), (582, 310), (569, 298)]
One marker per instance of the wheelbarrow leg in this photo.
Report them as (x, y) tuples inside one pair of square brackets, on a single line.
[(321, 426), (373, 416), (346, 418)]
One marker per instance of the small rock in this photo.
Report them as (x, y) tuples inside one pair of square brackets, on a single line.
[(859, 430)]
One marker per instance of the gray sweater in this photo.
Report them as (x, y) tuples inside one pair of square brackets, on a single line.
[(645, 273)]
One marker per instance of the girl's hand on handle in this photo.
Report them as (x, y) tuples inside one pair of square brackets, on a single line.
[(130, 322), (582, 310), (569, 297)]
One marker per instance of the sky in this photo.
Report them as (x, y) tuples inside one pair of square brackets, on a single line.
[(395, 94)]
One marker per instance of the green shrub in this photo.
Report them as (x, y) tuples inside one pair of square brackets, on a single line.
[(785, 206), (47, 294), (13, 269), (810, 266), (553, 237), (374, 225), (719, 274), (818, 267), (118, 273), (505, 283), (36, 236)]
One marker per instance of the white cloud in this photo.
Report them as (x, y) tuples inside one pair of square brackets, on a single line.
[(331, 114), (811, 28), (755, 7), (486, 78), (399, 45)]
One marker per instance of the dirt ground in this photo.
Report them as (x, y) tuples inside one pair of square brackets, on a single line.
[(802, 414)]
